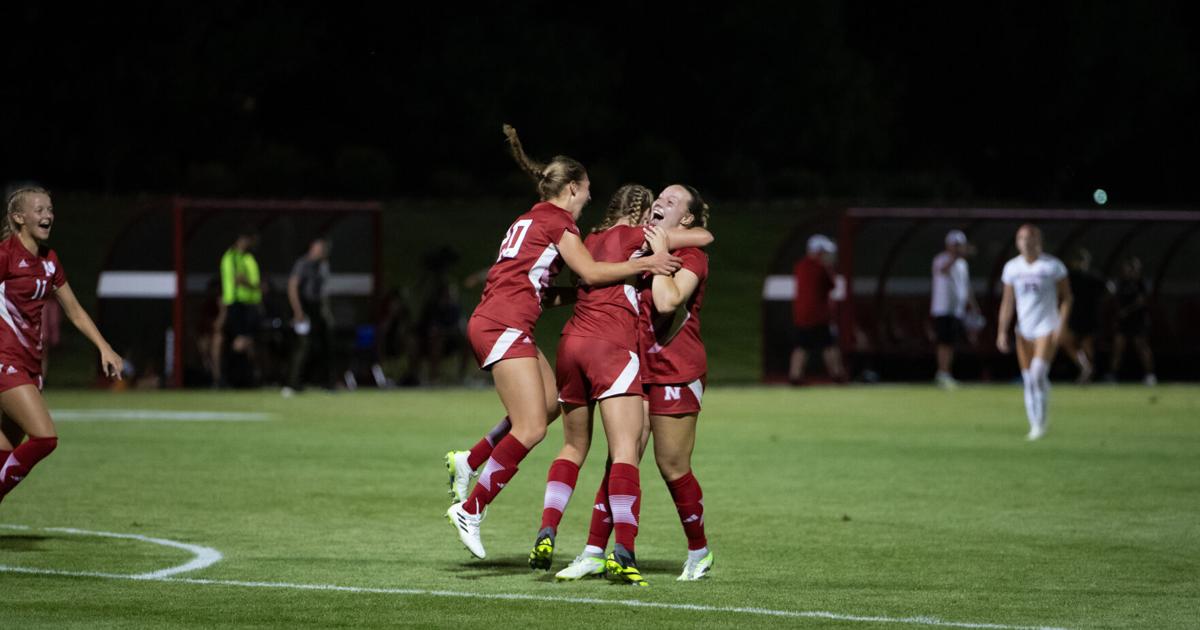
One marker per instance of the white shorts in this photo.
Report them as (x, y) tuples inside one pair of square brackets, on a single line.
[(1038, 329)]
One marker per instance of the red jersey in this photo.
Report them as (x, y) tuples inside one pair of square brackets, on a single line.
[(527, 264), (25, 283), (682, 358), (609, 312), (813, 284)]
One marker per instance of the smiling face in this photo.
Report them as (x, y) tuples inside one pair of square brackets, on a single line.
[(578, 194), (33, 214), (671, 208)]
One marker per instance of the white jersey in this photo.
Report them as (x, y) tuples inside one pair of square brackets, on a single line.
[(951, 289), (1036, 288)]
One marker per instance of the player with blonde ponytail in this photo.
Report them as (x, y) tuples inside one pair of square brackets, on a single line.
[(29, 273), (501, 328)]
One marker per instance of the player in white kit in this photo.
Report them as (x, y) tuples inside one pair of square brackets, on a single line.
[(1037, 284)]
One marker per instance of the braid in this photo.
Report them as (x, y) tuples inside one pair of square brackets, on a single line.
[(535, 169), (630, 201), (551, 178)]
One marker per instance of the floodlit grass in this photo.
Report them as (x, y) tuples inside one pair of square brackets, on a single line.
[(894, 502)]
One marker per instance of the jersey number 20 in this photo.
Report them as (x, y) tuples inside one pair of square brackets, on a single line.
[(513, 239)]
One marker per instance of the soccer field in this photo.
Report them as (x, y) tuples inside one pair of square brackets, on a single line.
[(850, 507)]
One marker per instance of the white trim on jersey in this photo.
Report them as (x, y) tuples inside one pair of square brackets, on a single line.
[(631, 294), (697, 389), (503, 343), (621, 385), (7, 315), (541, 269)]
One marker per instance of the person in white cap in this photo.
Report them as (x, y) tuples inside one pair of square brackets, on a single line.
[(951, 299), (811, 311), (1036, 284)]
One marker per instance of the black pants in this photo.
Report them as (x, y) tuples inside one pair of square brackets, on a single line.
[(312, 354)]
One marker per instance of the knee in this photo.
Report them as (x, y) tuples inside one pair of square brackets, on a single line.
[(530, 435), (673, 467)]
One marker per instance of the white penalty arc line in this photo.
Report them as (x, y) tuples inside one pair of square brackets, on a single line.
[(203, 557), (206, 556)]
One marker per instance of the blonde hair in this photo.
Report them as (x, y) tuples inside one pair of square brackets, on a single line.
[(630, 201), (550, 178), (7, 227)]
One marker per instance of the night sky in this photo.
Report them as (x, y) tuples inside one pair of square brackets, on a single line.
[(885, 102)]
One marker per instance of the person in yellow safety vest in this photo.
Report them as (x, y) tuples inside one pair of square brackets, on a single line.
[(241, 306)]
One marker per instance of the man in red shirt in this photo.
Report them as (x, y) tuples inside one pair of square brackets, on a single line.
[(811, 313)]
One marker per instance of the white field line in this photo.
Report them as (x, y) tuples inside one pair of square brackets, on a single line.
[(163, 576), (110, 415), (202, 557)]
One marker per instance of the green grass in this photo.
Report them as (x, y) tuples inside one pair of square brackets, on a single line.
[(886, 501)]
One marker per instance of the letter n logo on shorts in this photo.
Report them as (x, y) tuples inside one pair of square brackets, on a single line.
[(670, 393)]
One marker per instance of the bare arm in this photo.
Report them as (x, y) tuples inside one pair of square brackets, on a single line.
[(944, 268), (580, 260), (671, 291), (1007, 306), (293, 291), (110, 361), (678, 238)]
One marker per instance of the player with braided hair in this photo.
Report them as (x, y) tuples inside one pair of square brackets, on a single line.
[(501, 328), (598, 364), (674, 365), (29, 273)]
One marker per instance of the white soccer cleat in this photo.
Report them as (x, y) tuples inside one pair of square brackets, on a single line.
[(1035, 434), (467, 526), (580, 568), (945, 381), (460, 474), (696, 568)]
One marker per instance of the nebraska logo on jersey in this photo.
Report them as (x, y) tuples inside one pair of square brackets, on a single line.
[(670, 393), (49, 266)]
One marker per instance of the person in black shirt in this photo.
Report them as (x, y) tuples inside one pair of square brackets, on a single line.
[(312, 319), (1079, 339), (1133, 321)]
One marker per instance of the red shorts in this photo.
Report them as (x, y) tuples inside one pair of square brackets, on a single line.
[(676, 400), (12, 376), (590, 369), (492, 342)]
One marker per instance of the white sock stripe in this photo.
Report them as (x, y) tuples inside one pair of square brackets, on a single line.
[(503, 343), (621, 385), (622, 508), (485, 477), (557, 496)]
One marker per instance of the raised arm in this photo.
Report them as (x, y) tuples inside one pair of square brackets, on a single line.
[(580, 260), (110, 361), (1007, 305), (678, 238)]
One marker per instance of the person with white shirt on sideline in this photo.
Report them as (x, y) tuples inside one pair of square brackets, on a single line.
[(1036, 284), (952, 297)]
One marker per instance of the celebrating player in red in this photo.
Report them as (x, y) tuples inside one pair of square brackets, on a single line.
[(29, 271), (598, 363), (674, 365), (501, 328)]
